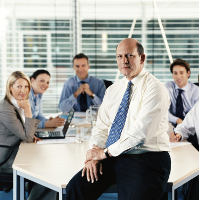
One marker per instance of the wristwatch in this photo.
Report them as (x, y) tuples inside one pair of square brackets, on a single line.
[(92, 96), (106, 153)]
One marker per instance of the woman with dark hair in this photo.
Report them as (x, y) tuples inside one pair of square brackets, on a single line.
[(40, 81)]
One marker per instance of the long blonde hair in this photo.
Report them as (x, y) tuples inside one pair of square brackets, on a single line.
[(11, 81)]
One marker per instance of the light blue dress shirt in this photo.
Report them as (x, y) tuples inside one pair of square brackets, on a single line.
[(190, 96), (67, 100), (36, 108)]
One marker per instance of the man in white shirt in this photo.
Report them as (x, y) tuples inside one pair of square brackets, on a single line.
[(187, 128), (137, 158)]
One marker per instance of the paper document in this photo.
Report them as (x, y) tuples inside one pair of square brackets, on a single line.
[(80, 114), (57, 141), (177, 144)]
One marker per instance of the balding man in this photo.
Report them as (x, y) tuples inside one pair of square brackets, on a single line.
[(129, 144)]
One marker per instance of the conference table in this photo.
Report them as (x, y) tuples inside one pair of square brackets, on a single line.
[(53, 165)]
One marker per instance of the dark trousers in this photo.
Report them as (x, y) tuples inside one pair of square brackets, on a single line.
[(138, 177)]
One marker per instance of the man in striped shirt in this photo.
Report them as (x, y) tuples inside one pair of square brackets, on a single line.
[(189, 92)]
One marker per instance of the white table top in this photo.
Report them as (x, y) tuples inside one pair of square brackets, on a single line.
[(58, 163), (184, 162), (53, 163)]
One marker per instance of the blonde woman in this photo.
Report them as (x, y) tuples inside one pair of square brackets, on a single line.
[(17, 124)]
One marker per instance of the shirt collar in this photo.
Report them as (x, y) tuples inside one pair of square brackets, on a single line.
[(137, 79), (14, 102), (85, 80), (185, 88), (32, 95)]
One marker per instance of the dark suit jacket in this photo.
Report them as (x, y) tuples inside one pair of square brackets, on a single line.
[(13, 130)]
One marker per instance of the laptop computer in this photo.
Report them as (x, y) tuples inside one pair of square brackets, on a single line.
[(59, 133)]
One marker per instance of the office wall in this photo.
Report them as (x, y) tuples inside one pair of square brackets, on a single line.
[(48, 33)]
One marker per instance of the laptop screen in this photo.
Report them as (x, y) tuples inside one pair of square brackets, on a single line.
[(68, 121)]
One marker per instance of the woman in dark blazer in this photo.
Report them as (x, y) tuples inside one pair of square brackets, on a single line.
[(17, 124)]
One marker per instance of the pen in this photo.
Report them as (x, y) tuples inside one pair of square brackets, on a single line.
[(174, 131)]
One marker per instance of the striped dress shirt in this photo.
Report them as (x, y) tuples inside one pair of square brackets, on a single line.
[(190, 96)]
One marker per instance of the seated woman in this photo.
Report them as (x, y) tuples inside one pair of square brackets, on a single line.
[(17, 124), (40, 80)]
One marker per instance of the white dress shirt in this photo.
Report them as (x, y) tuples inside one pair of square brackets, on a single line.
[(147, 117), (190, 124), (21, 110)]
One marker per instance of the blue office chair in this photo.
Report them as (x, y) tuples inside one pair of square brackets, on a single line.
[(6, 179)]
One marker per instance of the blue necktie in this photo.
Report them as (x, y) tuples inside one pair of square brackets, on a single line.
[(120, 118), (83, 100), (179, 105)]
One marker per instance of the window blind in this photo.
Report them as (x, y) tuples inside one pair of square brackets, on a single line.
[(47, 33)]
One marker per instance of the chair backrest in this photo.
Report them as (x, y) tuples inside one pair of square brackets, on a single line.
[(107, 83), (8, 156), (6, 179)]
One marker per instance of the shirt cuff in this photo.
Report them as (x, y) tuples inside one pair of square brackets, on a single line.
[(173, 119), (42, 124)]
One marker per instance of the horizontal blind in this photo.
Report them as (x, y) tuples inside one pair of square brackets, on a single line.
[(113, 22), (41, 34), (39, 41)]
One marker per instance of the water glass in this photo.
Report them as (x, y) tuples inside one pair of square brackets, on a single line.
[(79, 134)]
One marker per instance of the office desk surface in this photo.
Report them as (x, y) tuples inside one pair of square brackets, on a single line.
[(53, 163), (58, 163), (184, 162)]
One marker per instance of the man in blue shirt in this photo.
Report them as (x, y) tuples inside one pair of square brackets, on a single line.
[(180, 70), (82, 90)]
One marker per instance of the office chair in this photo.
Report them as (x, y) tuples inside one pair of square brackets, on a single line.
[(6, 179), (197, 83), (107, 83)]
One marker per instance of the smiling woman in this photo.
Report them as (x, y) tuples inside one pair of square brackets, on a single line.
[(40, 80), (16, 122)]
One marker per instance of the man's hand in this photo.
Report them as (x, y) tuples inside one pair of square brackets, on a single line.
[(87, 89), (179, 121), (55, 122), (174, 137), (91, 170), (79, 90), (96, 153), (83, 88)]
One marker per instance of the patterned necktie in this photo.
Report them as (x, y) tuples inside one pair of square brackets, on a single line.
[(83, 100), (120, 118), (179, 105)]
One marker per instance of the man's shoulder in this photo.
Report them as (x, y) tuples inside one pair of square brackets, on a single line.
[(193, 86), (170, 84), (70, 80), (152, 80), (93, 78)]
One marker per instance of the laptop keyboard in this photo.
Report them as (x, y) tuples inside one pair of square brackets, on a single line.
[(54, 133)]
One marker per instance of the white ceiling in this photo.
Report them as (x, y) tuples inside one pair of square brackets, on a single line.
[(101, 9)]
